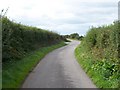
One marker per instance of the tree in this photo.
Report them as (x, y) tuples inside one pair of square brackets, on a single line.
[(74, 36)]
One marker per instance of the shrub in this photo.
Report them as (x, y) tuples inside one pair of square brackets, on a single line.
[(101, 50), (19, 39)]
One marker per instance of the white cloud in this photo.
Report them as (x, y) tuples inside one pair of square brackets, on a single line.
[(63, 16)]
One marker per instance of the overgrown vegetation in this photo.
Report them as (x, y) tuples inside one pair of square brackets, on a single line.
[(23, 47), (14, 73), (99, 55), (19, 39)]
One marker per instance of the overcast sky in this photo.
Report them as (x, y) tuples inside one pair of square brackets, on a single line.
[(62, 16)]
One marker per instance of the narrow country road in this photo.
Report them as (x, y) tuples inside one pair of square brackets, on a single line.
[(59, 69)]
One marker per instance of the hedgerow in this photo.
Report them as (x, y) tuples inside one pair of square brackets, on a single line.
[(99, 54), (19, 39), (104, 38)]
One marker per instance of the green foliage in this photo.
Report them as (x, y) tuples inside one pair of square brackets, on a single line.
[(19, 39), (91, 38), (14, 73), (22, 48), (105, 38), (104, 72), (74, 36), (99, 55)]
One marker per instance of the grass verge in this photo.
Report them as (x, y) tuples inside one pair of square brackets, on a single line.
[(98, 70), (14, 73)]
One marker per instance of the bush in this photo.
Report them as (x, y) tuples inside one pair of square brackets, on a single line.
[(105, 38), (99, 55), (19, 39)]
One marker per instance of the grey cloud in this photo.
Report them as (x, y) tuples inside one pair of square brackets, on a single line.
[(100, 4), (85, 14)]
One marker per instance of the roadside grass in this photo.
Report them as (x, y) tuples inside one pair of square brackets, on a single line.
[(1, 76), (98, 70), (14, 73)]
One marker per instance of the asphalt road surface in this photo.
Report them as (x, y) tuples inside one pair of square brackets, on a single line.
[(59, 69)]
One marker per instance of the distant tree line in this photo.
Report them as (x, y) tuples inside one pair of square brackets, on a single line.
[(74, 36)]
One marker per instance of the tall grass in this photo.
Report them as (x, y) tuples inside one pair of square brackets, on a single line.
[(99, 55), (15, 73)]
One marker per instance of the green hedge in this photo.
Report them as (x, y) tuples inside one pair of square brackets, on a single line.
[(106, 39), (19, 39), (99, 55)]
